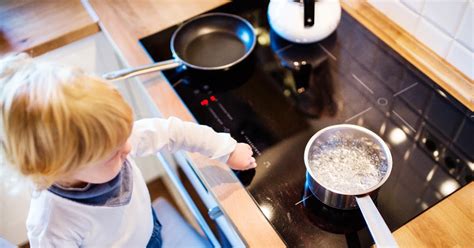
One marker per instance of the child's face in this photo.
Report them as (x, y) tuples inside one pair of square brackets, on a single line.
[(106, 169)]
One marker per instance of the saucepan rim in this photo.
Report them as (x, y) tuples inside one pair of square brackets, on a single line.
[(360, 129)]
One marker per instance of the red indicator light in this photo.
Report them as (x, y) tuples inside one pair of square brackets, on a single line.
[(213, 98), (204, 102)]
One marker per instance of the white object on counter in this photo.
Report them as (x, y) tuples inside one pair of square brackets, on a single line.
[(286, 17)]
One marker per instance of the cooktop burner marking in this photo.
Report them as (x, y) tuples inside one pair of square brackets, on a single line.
[(267, 164), (284, 48), (407, 88), (360, 81), (403, 120), (304, 199), (225, 111), (215, 115), (382, 101), (359, 114), (327, 52), (178, 82)]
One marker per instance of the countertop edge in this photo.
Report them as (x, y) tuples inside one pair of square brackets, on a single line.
[(432, 227), (69, 22), (63, 40)]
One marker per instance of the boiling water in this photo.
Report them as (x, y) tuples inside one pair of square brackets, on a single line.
[(346, 164)]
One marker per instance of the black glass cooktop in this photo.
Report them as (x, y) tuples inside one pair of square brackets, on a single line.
[(281, 95)]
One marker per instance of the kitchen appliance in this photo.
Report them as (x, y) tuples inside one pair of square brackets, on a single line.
[(211, 42), (346, 164), (355, 78), (304, 21)]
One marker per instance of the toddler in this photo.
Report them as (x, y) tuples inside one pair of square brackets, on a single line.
[(74, 136)]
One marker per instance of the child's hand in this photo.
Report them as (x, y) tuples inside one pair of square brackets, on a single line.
[(241, 158)]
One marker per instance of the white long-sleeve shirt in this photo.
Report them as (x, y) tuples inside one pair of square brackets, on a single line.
[(54, 221)]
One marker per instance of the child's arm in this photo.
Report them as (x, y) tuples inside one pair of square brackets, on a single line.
[(151, 135)]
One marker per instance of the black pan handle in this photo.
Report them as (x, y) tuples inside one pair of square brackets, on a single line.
[(308, 13)]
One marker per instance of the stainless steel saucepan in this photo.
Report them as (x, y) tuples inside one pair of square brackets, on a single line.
[(346, 165)]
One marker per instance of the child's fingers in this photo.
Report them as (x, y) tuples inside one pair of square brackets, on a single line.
[(250, 149), (253, 163)]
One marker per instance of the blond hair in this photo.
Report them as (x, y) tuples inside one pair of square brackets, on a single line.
[(56, 119)]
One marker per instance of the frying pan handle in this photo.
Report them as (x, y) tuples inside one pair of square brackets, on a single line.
[(131, 72), (378, 229)]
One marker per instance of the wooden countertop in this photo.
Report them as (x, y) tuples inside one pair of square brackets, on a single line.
[(126, 21), (449, 223), (40, 26)]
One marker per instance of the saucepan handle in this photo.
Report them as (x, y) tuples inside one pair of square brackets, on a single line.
[(131, 72), (377, 226)]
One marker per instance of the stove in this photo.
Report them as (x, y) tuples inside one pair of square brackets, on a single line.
[(281, 95)]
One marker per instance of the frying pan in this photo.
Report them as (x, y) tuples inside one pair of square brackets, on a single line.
[(210, 42), (346, 198)]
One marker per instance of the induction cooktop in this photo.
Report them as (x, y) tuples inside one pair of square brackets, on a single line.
[(285, 92)]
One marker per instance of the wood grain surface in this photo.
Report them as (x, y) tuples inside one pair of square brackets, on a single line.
[(448, 224), (37, 27), (236, 203)]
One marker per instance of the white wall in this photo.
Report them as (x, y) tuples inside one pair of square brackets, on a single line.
[(446, 26)]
